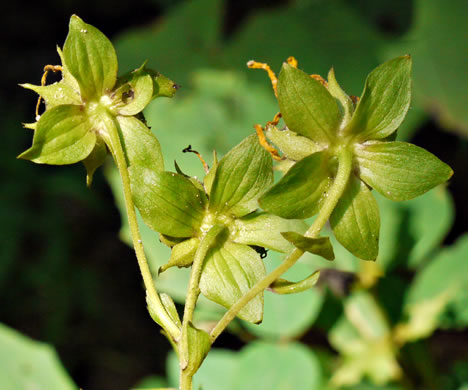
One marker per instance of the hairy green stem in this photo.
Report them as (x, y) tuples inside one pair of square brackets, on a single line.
[(336, 190), (193, 293), (113, 140)]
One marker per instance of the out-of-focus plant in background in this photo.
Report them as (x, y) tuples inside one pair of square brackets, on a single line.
[(398, 323)]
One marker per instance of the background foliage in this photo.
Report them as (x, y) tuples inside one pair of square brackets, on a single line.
[(66, 279)]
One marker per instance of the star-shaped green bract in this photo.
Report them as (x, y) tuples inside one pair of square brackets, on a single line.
[(321, 120), (90, 102), (183, 211)]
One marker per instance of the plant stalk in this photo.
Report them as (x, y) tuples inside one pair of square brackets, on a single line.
[(334, 195), (113, 141), (193, 293)]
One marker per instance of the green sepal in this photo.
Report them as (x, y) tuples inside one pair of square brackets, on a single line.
[(242, 175), (168, 202), (299, 193), (209, 177), (182, 254), (356, 222), (162, 86), (384, 101), (55, 94), (283, 286), (171, 309), (90, 59), (170, 241), (345, 101), (133, 92), (140, 145), (307, 106), (399, 170), (293, 146), (30, 126), (264, 229), (63, 135), (320, 246), (67, 78), (230, 271), (197, 343), (95, 159)]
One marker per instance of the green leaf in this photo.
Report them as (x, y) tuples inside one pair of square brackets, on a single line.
[(63, 136), (182, 254), (134, 92), (228, 273), (90, 58), (289, 366), (299, 193), (293, 146), (283, 286), (141, 146), (399, 170), (95, 159), (307, 107), (199, 344), (356, 222), (318, 246), (345, 101), (264, 229), (171, 309), (384, 102), (168, 202), (209, 177), (55, 94), (151, 382), (241, 177), (28, 364)]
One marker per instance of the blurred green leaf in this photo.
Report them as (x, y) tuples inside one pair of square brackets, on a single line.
[(277, 367), (28, 364), (439, 73), (153, 382), (440, 286), (363, 338)]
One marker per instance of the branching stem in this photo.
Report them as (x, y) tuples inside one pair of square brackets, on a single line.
[(337, 189)]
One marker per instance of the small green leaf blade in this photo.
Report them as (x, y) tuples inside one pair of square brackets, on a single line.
[(356, 221), (320, 246), (337, 92), (307, 107), (263, 229), (55, 94), (228, 273), (293, 146), (399, 170), (168, 202), (299, 193), (90, 58), (242, 175), (141, 147), (63, 135), (385, 100)]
